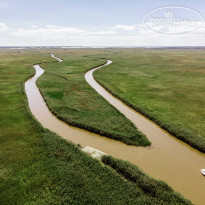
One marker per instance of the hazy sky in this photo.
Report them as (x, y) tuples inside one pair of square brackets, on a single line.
[(94, 23)]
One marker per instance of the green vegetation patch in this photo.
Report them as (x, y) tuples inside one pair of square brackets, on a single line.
[(70, 97)]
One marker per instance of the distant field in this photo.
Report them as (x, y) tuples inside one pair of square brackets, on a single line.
[(168, 86), (38, 167), (71, 98)]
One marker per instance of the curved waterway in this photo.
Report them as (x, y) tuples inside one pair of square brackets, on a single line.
[(169, 159)]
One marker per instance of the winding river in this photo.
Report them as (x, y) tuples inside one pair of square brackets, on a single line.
[(169, 159)]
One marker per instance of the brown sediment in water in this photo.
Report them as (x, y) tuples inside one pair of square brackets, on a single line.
[(169, 159)]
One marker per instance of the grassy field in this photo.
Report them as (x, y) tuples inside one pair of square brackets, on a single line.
[(38, 167), (167, 86), (71, 98)]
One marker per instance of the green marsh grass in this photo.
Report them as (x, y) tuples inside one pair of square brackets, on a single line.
[(167, 86), (69, 97)]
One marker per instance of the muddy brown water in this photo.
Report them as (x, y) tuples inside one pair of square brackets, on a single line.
[(169, 159)]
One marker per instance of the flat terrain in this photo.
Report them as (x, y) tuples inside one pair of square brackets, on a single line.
[(71, 98), (167, 86), (38, 167)]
